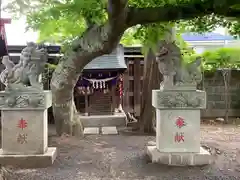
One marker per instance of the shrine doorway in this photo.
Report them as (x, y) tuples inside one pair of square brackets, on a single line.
[(99, 93)]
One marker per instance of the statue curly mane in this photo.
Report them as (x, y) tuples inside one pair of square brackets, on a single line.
[(25, 74), (175, 72), (169, 58)]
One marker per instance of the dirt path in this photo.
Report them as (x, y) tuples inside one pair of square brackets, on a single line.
[(123, 157)]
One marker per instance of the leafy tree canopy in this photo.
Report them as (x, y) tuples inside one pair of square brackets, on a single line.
[(64, 20)]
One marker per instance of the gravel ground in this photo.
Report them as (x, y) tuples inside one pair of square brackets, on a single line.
[(123, 157)]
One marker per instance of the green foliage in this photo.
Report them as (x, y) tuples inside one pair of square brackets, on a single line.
[(60, 21), (221, 58), (149, 35), (48, 71), (186, 50), (129, 38), (50, 66)]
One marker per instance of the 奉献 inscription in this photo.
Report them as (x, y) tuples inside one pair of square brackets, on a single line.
[(22, 137), (179, 136)]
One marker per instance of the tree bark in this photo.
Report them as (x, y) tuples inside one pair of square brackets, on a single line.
[(95, 42), (151, 80), (226, 79)]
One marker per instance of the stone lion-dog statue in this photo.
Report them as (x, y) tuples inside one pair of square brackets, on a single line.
[(26, 74)]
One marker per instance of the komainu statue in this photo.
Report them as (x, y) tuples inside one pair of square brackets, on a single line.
[(26, 74), (175, 72)]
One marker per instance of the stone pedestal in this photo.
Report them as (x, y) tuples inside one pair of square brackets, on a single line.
[(25, 129), (178, 127)]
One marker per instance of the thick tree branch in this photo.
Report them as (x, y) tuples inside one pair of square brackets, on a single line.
[(185, 11), (115, 9), (96, 41)]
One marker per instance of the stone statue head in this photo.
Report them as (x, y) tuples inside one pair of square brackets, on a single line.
[(168, 58), (27, 51), (32, 44), (32, 53)]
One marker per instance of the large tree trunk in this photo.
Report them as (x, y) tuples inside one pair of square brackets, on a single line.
[(63, 81), (67, 73), (95, 42), (151, 80)]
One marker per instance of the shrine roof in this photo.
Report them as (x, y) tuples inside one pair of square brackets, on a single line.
[(115, 60)]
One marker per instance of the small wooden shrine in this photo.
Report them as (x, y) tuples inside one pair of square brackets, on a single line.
[(100, 87)]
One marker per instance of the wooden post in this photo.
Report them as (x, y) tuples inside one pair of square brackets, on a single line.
[(136, 92), (86, 103), (113, 93), (125, 97)]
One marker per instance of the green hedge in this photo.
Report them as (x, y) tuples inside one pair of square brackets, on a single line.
[(218, 58), (221, 58)]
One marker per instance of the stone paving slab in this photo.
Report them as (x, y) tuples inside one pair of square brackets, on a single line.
[(109, 130), (91, 130)]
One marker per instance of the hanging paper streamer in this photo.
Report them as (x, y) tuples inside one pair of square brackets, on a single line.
[(99, 83)]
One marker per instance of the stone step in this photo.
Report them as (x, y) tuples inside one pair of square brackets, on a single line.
[(91, 130), (110, 130), (117, 120)]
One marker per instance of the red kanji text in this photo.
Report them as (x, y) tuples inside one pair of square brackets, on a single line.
[(180, 122), (22, 138), (22, 123), (179, 137)]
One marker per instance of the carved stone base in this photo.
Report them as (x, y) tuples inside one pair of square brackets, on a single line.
[(25, 100), (179, 99), (25, 128), (178, 119)]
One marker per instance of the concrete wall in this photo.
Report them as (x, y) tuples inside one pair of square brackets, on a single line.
[(214, 86)]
